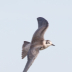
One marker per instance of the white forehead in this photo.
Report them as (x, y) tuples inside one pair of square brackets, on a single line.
[(50, 42)]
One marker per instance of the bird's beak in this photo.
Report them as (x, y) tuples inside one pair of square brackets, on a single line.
[(52, 44)]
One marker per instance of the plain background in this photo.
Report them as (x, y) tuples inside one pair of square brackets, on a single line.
[(18, 22)]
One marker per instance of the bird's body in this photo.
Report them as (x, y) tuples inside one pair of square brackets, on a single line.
[(37, 43)]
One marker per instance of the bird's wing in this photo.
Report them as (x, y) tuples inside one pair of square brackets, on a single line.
[(33, 52), (25, 48), (42, 26)]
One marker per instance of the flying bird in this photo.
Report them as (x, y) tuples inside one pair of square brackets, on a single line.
[(31, 49)]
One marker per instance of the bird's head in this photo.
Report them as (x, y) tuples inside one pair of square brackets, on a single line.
[(47, 43)]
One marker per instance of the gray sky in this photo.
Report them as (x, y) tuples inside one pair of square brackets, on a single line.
[(18, 23)]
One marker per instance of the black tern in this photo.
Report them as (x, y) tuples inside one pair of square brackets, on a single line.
[(38, 43)]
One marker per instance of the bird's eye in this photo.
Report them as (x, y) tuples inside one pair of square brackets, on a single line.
[(47, 42)]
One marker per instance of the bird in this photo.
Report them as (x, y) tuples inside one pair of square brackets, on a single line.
[(31, 49)]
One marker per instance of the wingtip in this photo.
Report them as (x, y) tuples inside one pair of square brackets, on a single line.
[(41, 18)]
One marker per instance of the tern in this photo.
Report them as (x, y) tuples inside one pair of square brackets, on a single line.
[(31, 49)]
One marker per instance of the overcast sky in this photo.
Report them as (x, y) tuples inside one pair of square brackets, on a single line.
[(18, 22)]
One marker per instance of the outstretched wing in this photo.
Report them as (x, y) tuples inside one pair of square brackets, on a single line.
[(25, 48), (29, 63), (33, 52), (42, 26)]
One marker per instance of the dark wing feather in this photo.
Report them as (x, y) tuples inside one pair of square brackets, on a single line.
[(33, 52), (29, 63), (41, 21), (42, 26)]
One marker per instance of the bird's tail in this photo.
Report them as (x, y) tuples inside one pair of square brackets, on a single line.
[(29, 63)]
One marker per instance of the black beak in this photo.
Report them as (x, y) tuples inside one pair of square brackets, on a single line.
[(52, 44)]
